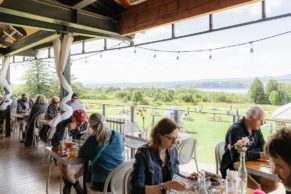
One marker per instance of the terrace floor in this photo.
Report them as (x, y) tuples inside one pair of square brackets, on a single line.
[(24, 170)]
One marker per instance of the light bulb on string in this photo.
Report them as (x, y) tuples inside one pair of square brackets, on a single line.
[(155, 55), (86, 61), (134, 50), (252, 49), (101, 55), (210, 54), (178, 57)]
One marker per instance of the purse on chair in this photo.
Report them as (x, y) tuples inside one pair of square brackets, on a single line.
[(90, 167)]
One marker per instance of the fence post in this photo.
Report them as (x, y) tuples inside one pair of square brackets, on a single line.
[(103, 110), (132, 110), (176, 112)]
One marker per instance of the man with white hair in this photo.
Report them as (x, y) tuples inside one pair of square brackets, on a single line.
[(248, 126)]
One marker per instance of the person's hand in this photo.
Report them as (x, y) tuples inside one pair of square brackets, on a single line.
[(178, 186), (193, 176)]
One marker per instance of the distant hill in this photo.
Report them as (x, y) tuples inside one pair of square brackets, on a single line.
[(232, 83)]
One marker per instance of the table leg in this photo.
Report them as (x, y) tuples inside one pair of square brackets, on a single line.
[(49, 174), (84, 177)]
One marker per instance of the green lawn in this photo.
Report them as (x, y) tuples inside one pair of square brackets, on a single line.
[(208, 132)]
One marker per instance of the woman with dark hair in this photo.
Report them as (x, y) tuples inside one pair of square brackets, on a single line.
[(157, 161)]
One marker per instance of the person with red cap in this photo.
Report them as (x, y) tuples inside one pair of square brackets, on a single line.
[(75, 127)]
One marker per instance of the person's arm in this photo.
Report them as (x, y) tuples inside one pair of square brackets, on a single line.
[(233, 136), (257, 152), (138, 175), (86, 149)]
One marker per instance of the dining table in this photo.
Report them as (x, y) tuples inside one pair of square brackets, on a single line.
[(261, 168)]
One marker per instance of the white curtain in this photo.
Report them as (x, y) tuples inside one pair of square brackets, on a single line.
[(61, 52), (4, 84)]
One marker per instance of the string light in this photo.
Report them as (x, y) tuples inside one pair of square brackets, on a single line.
[(252, 49), (155, 55), (181, 51), (86, 60)]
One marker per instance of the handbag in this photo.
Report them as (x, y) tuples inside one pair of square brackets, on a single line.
[(90, 167)]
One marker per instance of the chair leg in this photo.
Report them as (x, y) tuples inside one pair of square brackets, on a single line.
[(49, 174)]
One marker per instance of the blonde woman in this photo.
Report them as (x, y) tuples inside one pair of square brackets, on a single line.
[(104, 148)]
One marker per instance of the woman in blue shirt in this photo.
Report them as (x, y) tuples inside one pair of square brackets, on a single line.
[(157, 162), (109, 144)]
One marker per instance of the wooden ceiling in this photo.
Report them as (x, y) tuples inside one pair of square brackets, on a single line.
[(26, 25)]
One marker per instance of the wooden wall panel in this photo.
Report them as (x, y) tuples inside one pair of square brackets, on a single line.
[(153, 13)]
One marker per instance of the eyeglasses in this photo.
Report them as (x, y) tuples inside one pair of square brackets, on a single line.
[(170, 138), (56, 102)]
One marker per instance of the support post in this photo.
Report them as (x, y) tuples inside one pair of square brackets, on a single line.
[(132, 111), (7, 111), (176, 112), (104, 110), (173, 31), (67, 75)]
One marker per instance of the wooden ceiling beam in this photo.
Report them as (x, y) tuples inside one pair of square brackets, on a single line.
[(83, 3), (154, 13)]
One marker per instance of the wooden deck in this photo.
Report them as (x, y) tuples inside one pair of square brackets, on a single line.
[(24, 170)]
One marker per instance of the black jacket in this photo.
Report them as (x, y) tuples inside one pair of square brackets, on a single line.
[(236, 132)]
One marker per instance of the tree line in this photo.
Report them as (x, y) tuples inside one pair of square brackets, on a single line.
[(40, 78), (274, 93)]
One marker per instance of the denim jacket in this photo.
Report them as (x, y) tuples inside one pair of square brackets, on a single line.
[(147, 169)]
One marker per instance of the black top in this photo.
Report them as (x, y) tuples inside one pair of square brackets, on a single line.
[(236, 132)]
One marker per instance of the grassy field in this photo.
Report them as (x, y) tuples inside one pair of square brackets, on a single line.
[(209, 127)]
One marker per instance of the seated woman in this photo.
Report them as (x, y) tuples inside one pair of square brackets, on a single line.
[(74, 127), (38, 108), (157, 162), (51, 112), (104, 148)]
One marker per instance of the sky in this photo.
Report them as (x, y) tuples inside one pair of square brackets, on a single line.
[(270, 57)]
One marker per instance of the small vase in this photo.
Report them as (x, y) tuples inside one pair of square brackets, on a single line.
[(243, 175)]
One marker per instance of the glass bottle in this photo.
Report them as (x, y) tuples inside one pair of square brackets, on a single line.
[(202, 186), (243, 175)]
